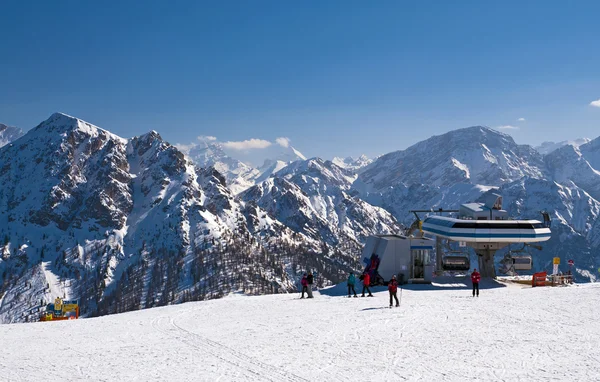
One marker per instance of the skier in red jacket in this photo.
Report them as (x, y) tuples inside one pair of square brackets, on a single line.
[(304, 283), (475, 278), (393, 288), (366, 282)]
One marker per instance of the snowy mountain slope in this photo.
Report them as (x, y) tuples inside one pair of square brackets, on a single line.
[(591, 152), (9, 134), (261, 339), (268, 169), (547, 147), (350, 163), (312, 197), (569, 164), (239, 176), (476, 155)]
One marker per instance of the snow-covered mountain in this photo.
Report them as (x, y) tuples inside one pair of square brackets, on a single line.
[(351, 163), (239, 176), (285, 153), (476, 155), (237, 166), (591, 153), (548, 147), (314, 197), (9, 134), (125, 224), (569, 164)]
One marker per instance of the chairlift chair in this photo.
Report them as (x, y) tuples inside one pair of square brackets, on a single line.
[(458, 262), (455, 260), (522, 263)]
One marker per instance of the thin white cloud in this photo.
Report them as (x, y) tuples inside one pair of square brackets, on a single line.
[(283, 141), (184, 148), (595, 103), (206, 138), (248, 144), (521, 119), (508, 127)]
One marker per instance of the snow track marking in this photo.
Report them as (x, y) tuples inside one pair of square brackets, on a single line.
[(280, 375), (252, 367)]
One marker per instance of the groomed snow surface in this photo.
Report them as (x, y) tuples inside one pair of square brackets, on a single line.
[(512, 333)]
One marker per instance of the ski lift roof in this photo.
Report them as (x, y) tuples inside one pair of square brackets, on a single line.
[(507, 231), (475, 207), (393, 237)]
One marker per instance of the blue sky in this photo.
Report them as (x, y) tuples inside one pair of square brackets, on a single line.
[(335, 77)]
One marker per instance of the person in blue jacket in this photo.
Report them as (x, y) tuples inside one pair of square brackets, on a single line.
[(351, 281)]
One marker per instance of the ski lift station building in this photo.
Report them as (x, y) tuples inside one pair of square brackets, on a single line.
[(409, 258)]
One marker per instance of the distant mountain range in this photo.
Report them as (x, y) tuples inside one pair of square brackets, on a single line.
[(126, 224), (548, 147)]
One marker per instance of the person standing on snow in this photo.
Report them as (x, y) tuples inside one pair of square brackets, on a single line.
[(351, 281), (310, 280), (304, 283), (366, 283), (393, 289), (475, 278)]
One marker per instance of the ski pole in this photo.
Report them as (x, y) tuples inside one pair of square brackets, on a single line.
[(400, 304)]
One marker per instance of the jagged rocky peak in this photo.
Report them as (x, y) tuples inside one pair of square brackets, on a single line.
[(60, 123), (64, 172), (144, 142), (352, 163), (317, 171)]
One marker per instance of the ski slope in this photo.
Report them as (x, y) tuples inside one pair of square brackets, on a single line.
[(512, 333)]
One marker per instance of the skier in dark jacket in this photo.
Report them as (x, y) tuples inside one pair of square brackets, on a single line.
[(366, 282), (304, 283), (310, 280), (393, 289), (351, 281), (475, 278)]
